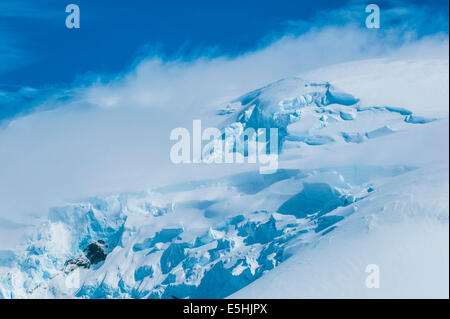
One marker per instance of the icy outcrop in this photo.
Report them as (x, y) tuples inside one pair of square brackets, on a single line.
[(210, 238), (308, 113), (135, 245), (280, 104)]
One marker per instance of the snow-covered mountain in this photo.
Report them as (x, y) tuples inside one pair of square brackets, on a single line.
[(359, 182)]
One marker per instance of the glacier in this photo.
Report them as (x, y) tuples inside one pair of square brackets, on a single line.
[(353, 174)]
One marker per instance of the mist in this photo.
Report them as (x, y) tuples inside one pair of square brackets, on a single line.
[(112, 134)]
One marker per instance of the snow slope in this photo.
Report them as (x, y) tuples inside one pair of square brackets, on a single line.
[(362, 179)]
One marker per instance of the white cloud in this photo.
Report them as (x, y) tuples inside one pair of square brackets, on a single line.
[(176, 83), (113, 135)]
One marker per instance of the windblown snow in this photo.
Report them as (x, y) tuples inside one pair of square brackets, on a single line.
[(362, 179)]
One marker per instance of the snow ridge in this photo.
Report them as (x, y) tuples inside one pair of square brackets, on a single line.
[(211, 238)]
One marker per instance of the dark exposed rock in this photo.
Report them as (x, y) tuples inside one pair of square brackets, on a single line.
[(95, 253), (92, 254)]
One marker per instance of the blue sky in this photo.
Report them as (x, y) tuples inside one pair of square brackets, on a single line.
[(37, 49), (40, 56), (114, 33)]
